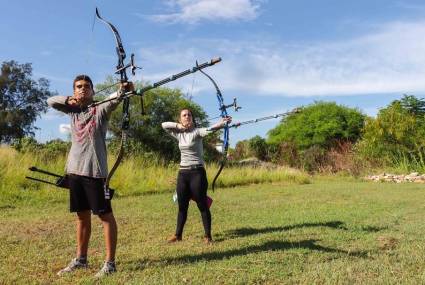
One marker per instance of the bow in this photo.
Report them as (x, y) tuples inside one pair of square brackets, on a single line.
[(253, 121), (121, 69), (62, 181), (223, 114)]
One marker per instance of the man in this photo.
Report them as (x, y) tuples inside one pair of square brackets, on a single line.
[(87, 169)]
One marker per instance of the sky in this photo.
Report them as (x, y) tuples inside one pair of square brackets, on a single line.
[(276, 54)]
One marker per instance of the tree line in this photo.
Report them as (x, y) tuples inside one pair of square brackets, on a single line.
[(322, 136)]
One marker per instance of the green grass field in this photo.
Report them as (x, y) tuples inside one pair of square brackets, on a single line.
[(333, 230)]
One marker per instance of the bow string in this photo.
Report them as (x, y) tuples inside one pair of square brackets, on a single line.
[(223, 114)]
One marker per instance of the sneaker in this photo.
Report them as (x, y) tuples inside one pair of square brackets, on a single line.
[(75, 264), (107, 269), (174, 238)]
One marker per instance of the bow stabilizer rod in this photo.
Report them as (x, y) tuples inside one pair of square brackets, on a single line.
[(141, 91), (238, 124)]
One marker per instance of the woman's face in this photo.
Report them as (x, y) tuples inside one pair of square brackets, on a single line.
[(186, 118)]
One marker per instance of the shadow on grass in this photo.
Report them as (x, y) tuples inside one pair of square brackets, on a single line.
[(309, 244), (373, 229), (242, 232)]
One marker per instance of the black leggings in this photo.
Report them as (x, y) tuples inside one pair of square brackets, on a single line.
[(193, 184)]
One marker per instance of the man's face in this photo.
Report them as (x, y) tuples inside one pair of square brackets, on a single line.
[(83, 90)]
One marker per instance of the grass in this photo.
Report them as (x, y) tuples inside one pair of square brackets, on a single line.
[(133, 177), (329, 231)]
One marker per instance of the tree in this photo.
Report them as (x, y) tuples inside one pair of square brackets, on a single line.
[(305, 139), (321, 124), (397, 134), (146, 134), (413, 105), (22, 100), (259, 147)]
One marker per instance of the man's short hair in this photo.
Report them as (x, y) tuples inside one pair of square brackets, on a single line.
[(83, 77)]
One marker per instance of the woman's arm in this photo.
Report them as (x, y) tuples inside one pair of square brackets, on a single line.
[(172, 128), (219, 125)]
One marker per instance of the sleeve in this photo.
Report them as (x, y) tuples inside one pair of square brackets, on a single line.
[(202, 132), (107, 108), (59, 103), (170, 128)]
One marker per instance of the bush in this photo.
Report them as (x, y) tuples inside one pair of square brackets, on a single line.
[(396, 138), (319, 125), (304, 139), (49, 150)]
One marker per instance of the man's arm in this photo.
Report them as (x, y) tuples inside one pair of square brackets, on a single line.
[(60, 103), (107, 108)]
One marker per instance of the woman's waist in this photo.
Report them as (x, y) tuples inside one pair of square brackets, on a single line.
[(192, 166)]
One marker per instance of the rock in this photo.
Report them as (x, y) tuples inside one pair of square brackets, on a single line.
[(387, 177)]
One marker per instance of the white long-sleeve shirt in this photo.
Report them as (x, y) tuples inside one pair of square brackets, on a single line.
[(190, 143)]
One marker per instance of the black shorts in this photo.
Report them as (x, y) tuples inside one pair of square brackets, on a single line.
[(87, 193)]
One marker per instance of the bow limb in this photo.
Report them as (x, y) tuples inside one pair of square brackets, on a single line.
[(223, 114), (121, 69), (119, 47)]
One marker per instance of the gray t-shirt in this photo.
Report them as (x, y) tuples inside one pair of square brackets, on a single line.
[(87, 156), (190, 143)]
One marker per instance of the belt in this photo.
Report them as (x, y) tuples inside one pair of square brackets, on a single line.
[(192, 167)]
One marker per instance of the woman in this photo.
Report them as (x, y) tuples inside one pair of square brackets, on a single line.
[(192, 179)]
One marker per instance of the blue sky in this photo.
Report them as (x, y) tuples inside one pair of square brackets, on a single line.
[(276, 54)]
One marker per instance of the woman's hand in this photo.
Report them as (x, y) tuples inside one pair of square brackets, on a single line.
[(186, 127), (180, 127), (225, 120), (222, 123)]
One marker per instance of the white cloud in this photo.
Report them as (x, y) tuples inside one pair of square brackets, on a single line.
[(390, 59), (65, 128), (193, 11)]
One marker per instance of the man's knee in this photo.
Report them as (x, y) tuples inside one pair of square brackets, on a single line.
[(107, 218), (84, 216)]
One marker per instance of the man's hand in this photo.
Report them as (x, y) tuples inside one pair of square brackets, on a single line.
[(76, 101), (126, 87)]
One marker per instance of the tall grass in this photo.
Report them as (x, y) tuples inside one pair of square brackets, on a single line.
[(135, 176)]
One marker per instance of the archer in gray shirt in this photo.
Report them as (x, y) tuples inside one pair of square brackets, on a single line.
[(87, 156), (192, 180), (87, 169)]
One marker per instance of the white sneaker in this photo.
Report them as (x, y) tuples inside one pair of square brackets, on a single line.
[(107, 269), (73, 265)]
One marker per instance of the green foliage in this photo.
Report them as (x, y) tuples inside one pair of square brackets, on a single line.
[(50, 150), (259, 147), (397, 135), (321, 125), (413, 105), (241, 150), (26, 144), (305, 139), (22, 100), (146, 135), (136, 175)]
